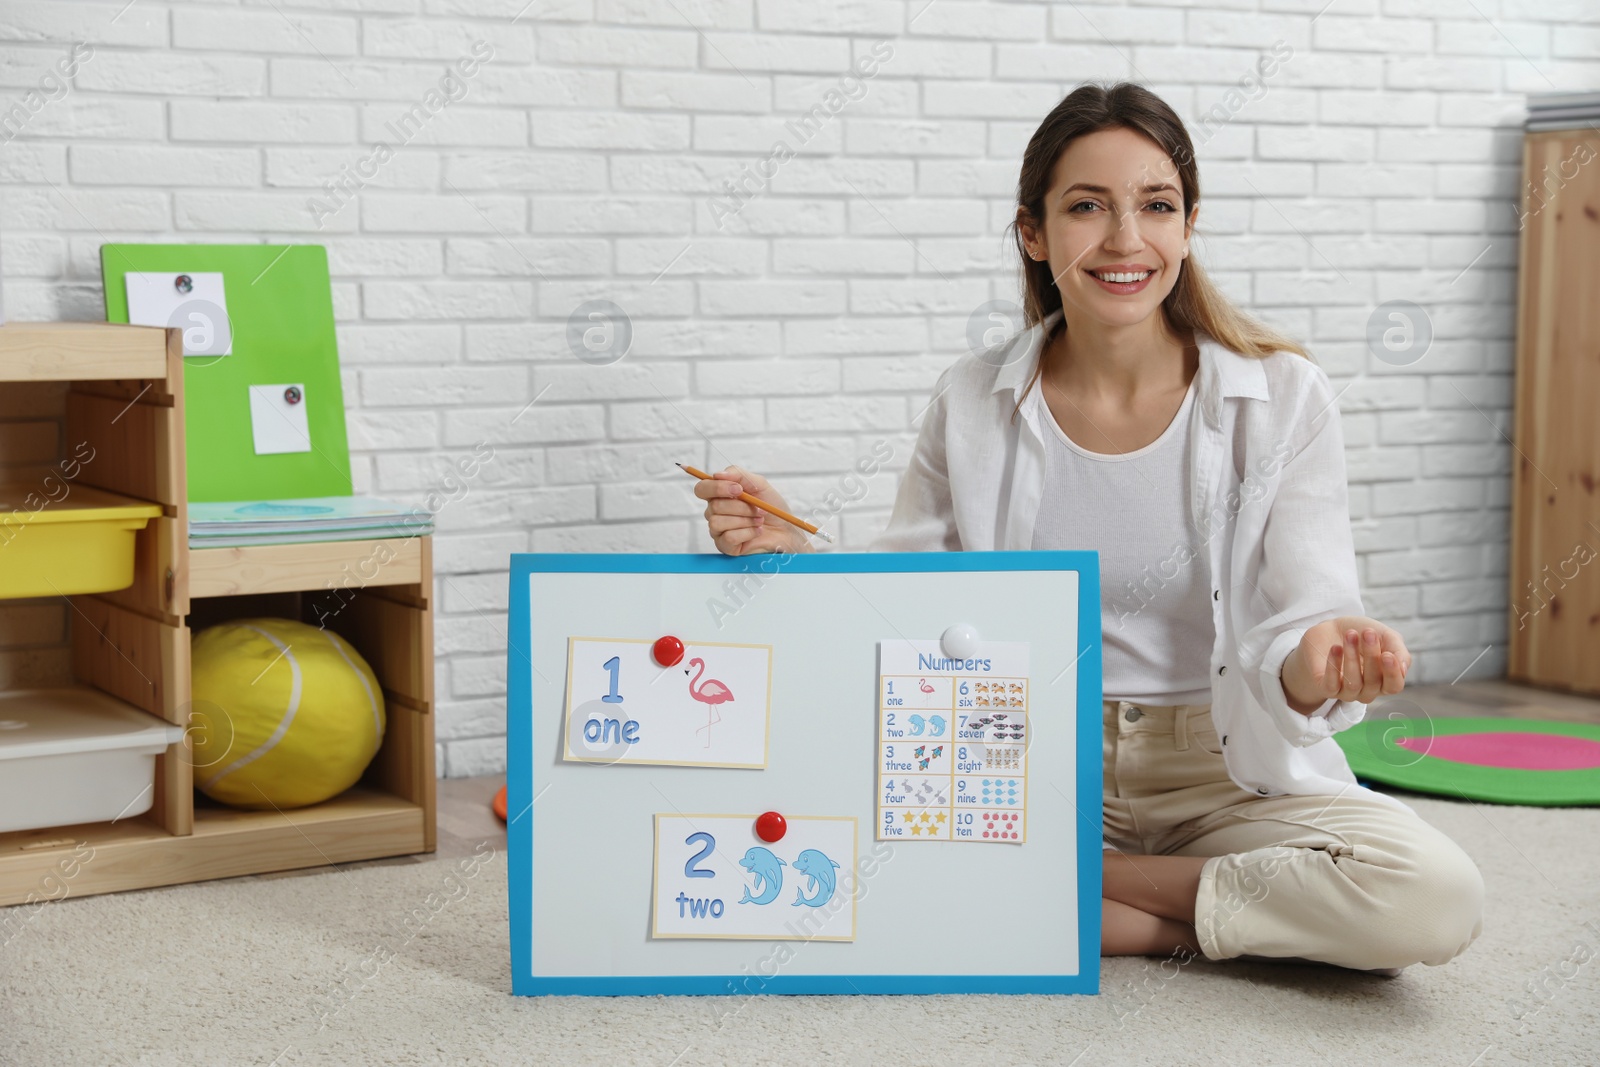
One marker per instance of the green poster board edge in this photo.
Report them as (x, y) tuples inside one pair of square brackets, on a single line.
[(280, 305), (1372, 749)]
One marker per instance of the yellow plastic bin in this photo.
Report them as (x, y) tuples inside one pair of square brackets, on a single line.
[(79, 543)]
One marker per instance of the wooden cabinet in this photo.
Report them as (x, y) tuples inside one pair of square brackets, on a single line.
[(119, 389), (1555, 537)]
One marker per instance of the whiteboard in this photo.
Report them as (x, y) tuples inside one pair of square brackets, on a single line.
[(932, 916)]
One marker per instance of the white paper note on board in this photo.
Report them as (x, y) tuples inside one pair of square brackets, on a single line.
[(714, 878), (278, 419), (195, 303)]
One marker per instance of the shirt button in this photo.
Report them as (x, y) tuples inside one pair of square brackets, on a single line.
[(1216, 594), (1224, 738), (1263, 792), (1132, 714), (1222, 670)]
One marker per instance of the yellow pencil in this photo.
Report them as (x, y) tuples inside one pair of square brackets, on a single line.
[(763, 505)]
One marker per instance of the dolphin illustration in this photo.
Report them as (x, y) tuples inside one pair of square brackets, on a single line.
[(764, 865), (935, 726), (917, 723), (819, 868)]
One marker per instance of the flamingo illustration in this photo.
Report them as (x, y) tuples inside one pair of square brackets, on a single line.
[(710, 692), (922, 684)]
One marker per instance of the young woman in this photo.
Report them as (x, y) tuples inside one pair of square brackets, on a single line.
[(1200, 453)]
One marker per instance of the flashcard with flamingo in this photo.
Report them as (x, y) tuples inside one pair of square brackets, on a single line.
[(708, 707), (716, 878)]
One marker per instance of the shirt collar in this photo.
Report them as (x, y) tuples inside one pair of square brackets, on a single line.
[(1223, 372)]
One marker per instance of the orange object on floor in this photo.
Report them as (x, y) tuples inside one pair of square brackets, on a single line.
[(499, 804)]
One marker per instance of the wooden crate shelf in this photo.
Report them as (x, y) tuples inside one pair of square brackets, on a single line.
[(81, 351), (125, 401), (360, 824), (317, 565)]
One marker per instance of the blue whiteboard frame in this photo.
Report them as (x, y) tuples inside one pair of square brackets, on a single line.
[(520, 784)]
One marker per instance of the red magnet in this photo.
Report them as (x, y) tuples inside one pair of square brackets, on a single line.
[(770, 826), (667, 650)]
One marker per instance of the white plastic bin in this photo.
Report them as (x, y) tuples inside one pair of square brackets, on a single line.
[(76, 755)]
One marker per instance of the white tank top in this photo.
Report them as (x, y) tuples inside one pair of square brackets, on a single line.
[(1134, 510)]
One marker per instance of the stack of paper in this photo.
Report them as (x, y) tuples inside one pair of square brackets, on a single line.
[(1562, 111), (277, 522)]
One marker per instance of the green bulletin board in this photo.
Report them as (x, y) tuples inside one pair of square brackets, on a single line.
[(280, 309)]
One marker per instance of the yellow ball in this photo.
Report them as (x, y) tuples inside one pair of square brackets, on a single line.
[(285, 714)]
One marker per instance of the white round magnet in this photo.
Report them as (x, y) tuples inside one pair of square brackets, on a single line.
[(960, 641)]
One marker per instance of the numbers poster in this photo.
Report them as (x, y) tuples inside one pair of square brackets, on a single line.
[(709, 708), (952, 743), (715, 878)]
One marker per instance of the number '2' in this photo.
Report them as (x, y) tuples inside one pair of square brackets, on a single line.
[(690, 870)]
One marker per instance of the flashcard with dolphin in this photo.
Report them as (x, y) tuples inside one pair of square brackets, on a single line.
[(714, 878), (710, 709)]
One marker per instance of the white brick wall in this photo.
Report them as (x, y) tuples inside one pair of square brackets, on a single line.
[(582, 163)]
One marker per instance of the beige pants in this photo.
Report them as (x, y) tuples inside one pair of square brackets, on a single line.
[(1345, 880)]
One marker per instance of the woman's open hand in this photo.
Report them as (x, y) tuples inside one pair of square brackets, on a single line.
[(1348, 658), (741, 529)]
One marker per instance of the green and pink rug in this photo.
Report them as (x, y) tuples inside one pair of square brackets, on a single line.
[(1504, 761)]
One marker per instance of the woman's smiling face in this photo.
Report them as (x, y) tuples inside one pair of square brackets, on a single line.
[(1113, 226)]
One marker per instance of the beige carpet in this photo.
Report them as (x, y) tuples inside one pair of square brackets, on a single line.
[(244, 972)]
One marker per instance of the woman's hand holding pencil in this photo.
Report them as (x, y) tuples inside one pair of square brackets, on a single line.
[(745, 515)]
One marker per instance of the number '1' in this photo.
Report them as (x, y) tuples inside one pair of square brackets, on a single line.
[(613, 665)]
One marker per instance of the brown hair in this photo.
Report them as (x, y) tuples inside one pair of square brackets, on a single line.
[(1194, 302)]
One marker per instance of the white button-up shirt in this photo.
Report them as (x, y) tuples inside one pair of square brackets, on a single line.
[(1267, 481)]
